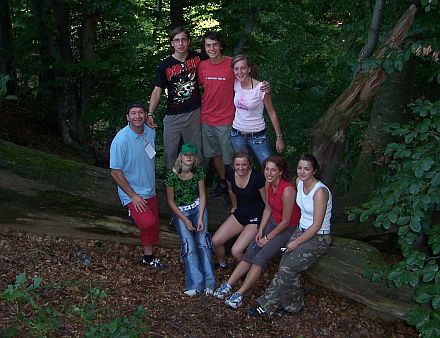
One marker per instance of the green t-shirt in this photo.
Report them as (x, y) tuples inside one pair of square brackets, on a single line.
[(185, 191)]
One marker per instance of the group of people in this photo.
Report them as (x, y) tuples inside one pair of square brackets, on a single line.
[(269, 213)]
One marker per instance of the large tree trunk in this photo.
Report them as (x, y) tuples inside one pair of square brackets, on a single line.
[(48, 95), (6, 48), (388, 107), (176, 13), (328, 136), (248, 28), (88, 41), (373, 35), (158, 16), (72, 106)]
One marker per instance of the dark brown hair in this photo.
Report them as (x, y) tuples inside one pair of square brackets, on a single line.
[(216, 36), (314, 162), (179, 30), (281, 163)]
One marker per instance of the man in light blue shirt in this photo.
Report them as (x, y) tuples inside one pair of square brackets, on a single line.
[(132, 155)]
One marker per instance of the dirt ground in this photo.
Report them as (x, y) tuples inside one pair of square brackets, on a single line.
[(115, 268)]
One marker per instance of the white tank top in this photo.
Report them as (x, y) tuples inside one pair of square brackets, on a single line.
[(305, 202)]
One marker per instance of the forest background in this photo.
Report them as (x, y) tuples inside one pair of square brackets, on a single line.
[(77, 63)]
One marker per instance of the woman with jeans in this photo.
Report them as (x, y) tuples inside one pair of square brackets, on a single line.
[(248, 127), (279, 220), (187, 199), (308, 242)]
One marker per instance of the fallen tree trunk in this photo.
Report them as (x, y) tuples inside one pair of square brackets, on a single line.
[(342, 270), (35, 199)]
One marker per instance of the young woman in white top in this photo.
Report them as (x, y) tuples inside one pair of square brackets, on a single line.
[(248, 128), (309, 242)]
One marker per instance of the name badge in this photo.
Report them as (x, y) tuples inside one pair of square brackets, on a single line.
[(150, 150)]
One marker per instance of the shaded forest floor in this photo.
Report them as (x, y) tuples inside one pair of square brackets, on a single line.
[(71, 286)]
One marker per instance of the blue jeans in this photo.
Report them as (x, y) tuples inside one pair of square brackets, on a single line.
[(258, 144), (196, 252)]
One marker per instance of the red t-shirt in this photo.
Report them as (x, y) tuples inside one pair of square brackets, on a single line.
[(218, 97), (275, 200)]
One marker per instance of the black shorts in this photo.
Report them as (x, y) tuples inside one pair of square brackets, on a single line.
[(245, 217)]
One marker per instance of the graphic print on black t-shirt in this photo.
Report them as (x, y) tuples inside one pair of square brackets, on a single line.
[(181, 82)]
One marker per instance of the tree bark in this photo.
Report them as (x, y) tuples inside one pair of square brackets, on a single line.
[(388, 107), (176, 13), (71, 109), (373, 35), (158, 17), (248, 28), (6, 48), (88, 41), (328, 136)]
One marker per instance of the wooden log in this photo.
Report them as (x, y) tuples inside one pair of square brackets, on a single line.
[(342, 270)]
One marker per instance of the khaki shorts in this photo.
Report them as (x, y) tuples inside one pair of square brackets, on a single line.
[(216, 141)]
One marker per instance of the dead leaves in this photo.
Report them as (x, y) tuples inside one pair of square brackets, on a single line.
[(115, 269)]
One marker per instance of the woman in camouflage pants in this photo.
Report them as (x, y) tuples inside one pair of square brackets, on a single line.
[(308, 242)]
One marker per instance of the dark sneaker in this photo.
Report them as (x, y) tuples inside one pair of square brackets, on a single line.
[(257, 311), (155, 263), (284, 312), (221, 189), (223, 291), (235, 301), (220, 265)]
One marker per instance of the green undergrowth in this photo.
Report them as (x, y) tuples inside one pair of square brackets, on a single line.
[(36, 318), (407, 201)]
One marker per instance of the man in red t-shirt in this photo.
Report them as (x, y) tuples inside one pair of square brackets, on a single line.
[(217, 108)]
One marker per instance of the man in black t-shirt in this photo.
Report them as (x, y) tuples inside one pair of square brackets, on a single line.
[(177, 75)]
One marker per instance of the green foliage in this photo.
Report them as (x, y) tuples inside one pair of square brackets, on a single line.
[(121, 327), (298, 48), (18, 292), (409, 194), (46, 321), (3, 81)]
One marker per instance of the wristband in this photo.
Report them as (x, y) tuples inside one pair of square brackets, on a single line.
[(279, 135), (150, 114)]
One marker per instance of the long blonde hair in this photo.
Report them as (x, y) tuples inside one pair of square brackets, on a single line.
[(178, 164)]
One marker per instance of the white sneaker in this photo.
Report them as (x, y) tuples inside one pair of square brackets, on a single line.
[(223, 291), (209, 291), (191, 292), (235, 301)]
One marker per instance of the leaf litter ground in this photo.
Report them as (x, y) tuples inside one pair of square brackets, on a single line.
[(71, 267)]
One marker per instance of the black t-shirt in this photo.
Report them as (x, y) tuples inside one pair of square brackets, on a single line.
[(180, 79), (249, 197)]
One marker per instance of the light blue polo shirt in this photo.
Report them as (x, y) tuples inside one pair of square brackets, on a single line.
[(127, 153)]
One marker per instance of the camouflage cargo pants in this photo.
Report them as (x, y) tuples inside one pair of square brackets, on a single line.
[(285, 288)]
